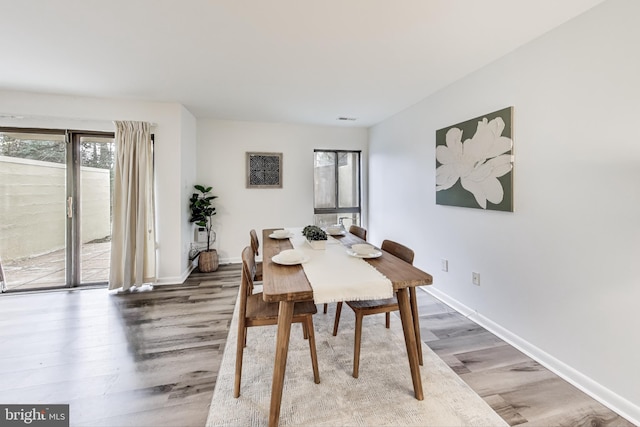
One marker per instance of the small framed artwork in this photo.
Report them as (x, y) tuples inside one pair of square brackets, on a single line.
[(474, 162), (264, 170)]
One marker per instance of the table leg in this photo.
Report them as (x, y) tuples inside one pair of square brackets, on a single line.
[(285, 315), (413, 298), (410, 340)]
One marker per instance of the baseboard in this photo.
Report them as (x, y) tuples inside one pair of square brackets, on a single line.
[(178, 280), (236, 260), (175, 280), (613, 401)]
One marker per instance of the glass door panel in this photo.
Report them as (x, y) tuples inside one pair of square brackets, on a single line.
[(95, 190), (33, 209)]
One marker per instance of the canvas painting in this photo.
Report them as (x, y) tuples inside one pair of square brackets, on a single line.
[(474, 162)]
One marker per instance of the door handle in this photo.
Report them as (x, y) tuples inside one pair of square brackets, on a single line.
[(69, 207)]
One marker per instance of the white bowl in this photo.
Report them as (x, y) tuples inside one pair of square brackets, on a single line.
[(281, 233), (291, 255), (334, 229), (363, 248)]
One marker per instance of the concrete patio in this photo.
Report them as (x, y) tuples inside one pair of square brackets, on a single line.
[(48, 271)]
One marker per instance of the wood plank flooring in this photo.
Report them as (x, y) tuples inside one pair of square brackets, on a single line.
[(138, 359), (150, 358), (520, 390)]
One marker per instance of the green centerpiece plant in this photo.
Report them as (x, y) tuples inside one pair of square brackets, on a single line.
[(316, 236)]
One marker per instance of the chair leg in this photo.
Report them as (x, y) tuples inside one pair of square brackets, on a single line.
[(305, 330), (336, 322), (387, 320), (312, 347), (325, 308), (416, 321), (241, 342), (356, 345)]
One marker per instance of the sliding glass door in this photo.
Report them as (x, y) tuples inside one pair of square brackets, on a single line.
[(55, 208)]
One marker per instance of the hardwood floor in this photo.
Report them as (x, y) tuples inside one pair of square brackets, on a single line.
[(150, 358), (520, 390), (139, 359)]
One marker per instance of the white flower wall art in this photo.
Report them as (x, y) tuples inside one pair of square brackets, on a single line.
[(474, 166)]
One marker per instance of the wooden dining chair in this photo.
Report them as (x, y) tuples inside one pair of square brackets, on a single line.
[(254, 311), (365, 308), (358, 232), (255, 246)]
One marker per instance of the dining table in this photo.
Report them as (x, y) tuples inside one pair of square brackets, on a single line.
[(288, 284)]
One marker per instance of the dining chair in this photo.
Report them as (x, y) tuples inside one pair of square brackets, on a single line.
[(255, 246), (254, 311), (359, 232), (365, 308)]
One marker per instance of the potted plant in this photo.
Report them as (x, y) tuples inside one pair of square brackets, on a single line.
[(316, 236), (202, 212)]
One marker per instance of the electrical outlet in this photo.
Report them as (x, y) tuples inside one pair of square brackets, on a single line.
[(444, 264), (475, 278)]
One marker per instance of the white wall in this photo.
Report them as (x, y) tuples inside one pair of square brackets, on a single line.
[(222, 146), (188, 168), (558, 275), (174, 132)]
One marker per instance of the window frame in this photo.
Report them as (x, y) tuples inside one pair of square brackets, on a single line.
[(336, 209)]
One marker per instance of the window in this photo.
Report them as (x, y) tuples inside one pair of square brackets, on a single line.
[(336, 181)]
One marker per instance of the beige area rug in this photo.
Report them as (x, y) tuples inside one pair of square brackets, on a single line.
[(381, 396)]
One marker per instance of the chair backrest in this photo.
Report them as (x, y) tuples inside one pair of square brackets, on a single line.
[(358, 231), (255, 244), (248, 271), (401, 251)]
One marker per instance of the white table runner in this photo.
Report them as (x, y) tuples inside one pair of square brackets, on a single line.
[(336, 276)]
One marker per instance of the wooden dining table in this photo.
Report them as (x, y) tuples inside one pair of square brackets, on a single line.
[(289, 284)]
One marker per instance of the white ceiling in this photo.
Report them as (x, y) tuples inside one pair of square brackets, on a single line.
[(299, 61)]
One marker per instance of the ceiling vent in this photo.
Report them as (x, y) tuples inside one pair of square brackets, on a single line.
[(350, 119)]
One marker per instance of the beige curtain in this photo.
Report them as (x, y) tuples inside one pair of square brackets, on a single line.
[(133, 258), (3, 286)]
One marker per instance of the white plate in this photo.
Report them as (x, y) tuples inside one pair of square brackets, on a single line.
[(339, 233), (273, 236), (277, 260), (371, 255)]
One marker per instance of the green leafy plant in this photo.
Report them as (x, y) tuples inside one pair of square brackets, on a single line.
[(313, 232), (202, 210)]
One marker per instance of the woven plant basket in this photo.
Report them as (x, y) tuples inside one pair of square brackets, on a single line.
[(208, 261)]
